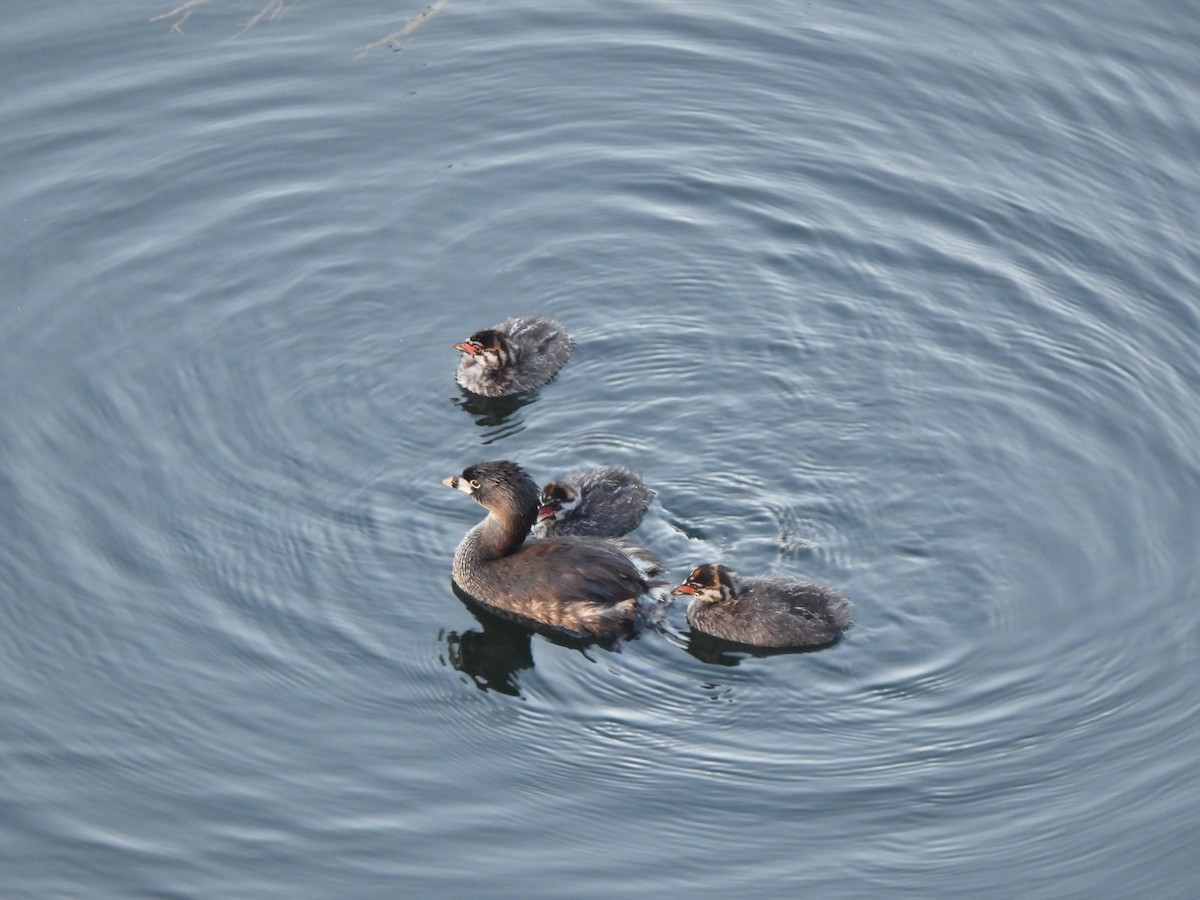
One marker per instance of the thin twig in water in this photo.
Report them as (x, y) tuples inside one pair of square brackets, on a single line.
[(272, 11), (413, 24), (184, 12), (275, 8)]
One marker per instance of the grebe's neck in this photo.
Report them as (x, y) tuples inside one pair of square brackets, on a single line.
[(494, 538), (502, 535)]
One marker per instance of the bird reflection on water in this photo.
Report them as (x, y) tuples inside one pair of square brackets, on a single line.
[(494, 654), (721, 652), (492, 411), (498, 415)]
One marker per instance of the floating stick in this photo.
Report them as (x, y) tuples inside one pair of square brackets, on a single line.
[(416, 22)]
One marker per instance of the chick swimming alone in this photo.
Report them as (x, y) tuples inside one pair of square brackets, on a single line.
[(587, 586), (773, 612), (517, 355), (606, 501)]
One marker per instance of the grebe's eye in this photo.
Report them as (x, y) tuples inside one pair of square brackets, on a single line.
[(474, 484)]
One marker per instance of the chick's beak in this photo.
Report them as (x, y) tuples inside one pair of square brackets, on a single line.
[(545, 512), (466, 347), (684, 589)]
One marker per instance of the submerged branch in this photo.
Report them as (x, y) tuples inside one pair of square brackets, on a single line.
[(395, 37), (275, 8), (184, 12), (272, 11)]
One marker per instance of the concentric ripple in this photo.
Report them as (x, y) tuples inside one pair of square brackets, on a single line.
[(899, 303)]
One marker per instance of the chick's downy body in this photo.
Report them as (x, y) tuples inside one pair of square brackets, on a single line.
[(771, 611), (606, 501), (517, 355)]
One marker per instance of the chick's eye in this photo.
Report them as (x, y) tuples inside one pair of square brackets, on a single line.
[(474, 484)]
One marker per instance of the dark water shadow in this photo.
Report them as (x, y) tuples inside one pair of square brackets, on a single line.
[(493, 412), (720, 652), (494, 654)]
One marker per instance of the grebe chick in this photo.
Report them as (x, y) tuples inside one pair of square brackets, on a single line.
[(517, 355), (587, 586), (606, 501), (764, 612)]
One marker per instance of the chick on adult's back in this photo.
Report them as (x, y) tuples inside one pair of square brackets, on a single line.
[(517, 355), (587, 586), (606, 501)]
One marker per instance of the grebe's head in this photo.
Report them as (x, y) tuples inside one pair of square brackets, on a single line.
[(497, 484)]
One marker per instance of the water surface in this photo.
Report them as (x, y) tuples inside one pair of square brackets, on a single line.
[(899, 298)]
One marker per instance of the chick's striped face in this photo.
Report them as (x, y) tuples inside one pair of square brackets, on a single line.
[(708, 579), (557, 499), (488, 347), (708, 583)]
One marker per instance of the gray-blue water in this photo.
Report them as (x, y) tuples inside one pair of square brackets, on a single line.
[(899, 297)]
